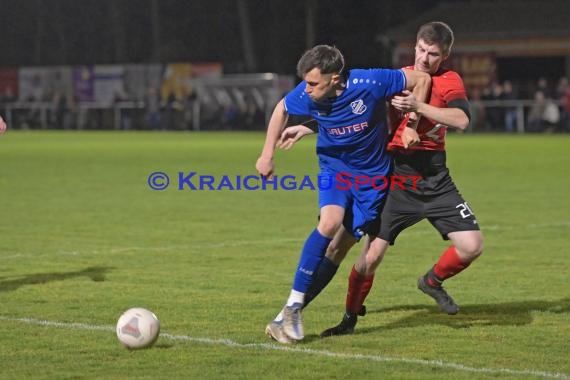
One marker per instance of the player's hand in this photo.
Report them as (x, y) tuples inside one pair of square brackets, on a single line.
[(265, 167), (291, 135), (412, 120), (410, 137), (3, 126), (406, 102)]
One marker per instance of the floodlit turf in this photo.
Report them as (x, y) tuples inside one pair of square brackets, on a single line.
[(83, 237)]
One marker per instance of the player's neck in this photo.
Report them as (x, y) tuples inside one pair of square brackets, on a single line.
[(338, 90)]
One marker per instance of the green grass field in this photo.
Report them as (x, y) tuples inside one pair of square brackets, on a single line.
[(83, 237)]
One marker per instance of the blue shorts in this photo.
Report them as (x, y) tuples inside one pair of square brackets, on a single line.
[(362, 206)]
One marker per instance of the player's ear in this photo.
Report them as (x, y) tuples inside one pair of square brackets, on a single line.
[(335, 79)]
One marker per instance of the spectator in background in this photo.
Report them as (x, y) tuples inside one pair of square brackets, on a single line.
[(551, 115), (230, 116), (535, 122), (510, 113), (32, 117), (560, 95), (543, 86), (565, 100), (125, 119), (495, 113), (170, 110), (3, 126), (561, 87), (189, 103), (8, 96), (249, 112), (544, 114), (152, 108), (60, 110)]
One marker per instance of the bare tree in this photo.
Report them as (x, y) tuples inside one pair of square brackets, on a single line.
[(118, 27), (156, 38), (58, 18), (310, 7), (246, 36), (40, 26)]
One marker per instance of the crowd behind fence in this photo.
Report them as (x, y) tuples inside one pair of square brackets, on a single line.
[(522, 107), (246, 103), (512, 116)]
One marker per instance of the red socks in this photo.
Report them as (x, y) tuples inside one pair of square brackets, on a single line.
[(358, 288), (449, 264)]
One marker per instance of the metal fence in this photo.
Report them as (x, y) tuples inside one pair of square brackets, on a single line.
[(230, 102), (518, 116), (237, 106)]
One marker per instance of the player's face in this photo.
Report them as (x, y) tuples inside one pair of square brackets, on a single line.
[(428, 57), (320, 86)]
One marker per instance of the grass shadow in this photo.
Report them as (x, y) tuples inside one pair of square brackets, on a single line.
[(498, 314), (96, 273)]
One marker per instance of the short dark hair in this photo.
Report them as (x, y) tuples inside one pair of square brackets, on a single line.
[(436, 32), (326, 58)]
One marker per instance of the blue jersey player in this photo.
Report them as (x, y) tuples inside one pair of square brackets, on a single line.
[(350, 110)]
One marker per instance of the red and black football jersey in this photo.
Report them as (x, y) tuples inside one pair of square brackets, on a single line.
[(446, 87)]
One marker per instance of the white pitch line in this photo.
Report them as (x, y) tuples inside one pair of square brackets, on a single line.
[(302, 350)]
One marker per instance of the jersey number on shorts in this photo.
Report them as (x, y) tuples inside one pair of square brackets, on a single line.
[(464, 210)]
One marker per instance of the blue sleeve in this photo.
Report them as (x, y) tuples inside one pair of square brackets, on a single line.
[(297, 101), (392, 82)]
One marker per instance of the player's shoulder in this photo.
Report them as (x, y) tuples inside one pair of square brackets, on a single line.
[(369, 76), (356, 75), (448, 79), (447, 74)]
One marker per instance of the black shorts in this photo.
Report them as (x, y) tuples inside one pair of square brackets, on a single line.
[(447, 212)]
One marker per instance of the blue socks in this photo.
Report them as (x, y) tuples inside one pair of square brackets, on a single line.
[(311, 256)]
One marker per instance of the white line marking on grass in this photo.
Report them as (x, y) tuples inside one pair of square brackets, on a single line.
[(302, 350), (17, 256), (548, 225)]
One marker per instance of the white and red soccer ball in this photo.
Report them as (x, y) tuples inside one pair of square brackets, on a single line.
[(138, 328)]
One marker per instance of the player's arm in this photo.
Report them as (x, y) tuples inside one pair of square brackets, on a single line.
[(292, 134), (264, 164), (456, 115), (419, 83)]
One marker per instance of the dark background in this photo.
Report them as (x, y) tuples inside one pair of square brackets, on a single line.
[(73, 32)]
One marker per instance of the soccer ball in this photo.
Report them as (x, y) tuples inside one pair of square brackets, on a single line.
[(138, 328)]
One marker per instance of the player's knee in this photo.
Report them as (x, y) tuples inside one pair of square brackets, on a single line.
[(471, 249), (328, 227)]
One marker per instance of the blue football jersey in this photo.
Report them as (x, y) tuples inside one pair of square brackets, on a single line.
[(352, 126)]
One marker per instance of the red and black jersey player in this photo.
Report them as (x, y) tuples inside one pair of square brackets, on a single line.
[(433, 197)]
